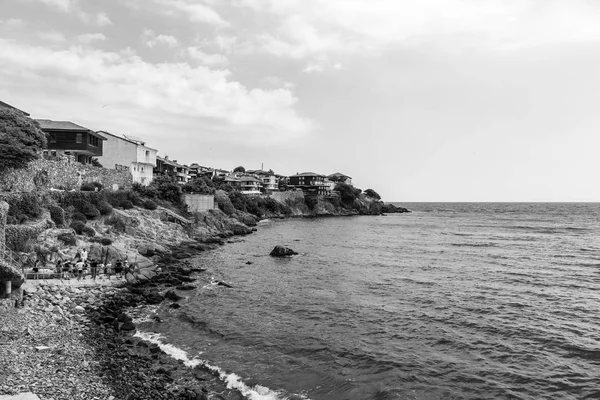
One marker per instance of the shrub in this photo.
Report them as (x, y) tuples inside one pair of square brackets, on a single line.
[(79, 217), (150, 205), (311, 202), (88, 231), (146, 191), (116, 222), (167, 189), (21, 139), (126, 205), (67, 238), (99, 186), (104, 208), (225, 206), (88, 187), (77, 226), (57, 214), (91, 211), (135, 198), (373, 194), (106, 241)]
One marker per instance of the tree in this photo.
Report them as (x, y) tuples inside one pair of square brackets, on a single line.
[(166, 189), (373, 194), (21, 139), (347, 192), (199, 185), (239, 169)]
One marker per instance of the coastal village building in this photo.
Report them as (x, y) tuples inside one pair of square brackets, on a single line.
[(340, 178), (234, 182), (309, 182), (74, 141), (250, 185), (128, 154), (164, 167)]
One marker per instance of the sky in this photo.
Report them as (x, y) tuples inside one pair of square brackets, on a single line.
[(428, 100)]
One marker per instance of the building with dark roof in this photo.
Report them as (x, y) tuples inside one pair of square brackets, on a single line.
[(340, 178), (67, 138), (309, 183)]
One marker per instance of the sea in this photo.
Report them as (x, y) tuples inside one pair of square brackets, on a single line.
[(450, 301)]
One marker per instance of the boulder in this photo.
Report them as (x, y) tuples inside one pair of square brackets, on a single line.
[(171, 295), (282, 251)]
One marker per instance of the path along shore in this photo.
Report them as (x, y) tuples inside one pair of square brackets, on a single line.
[(74, 340)]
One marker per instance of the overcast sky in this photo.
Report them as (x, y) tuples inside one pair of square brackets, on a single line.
[(422, 100)]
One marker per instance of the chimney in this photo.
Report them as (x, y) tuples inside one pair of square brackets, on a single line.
[(166, 157)]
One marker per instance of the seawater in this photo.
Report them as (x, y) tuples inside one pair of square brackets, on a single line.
[(452, 301)]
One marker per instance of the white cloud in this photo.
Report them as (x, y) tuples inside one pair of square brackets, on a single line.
[(307, 28), (173, 94), (190, 9), (51, 36), (87, 38), (151, 39), (313, 68), (73, 7), (197, 54), (12, 23)]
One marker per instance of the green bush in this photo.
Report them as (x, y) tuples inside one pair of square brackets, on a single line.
[(104, 208), (135, 198), (117, 197), (91, 211), (167, 189), (23, 207), (225, 206), (150, 205), (67, 238), (57, 214), (106, 241), (88, 187), (21, 139), (126, 205), (77, 216), (77, 226), (311, 202), (145, 191), (98, 185), (88, 231), (116, 222)]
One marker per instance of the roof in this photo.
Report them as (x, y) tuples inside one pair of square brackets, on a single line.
[(47, 124), (248, 179), (6, 105), (308, 174), (136, 142), (231, 179), (339, 175)]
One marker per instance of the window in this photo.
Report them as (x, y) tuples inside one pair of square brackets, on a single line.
[(53, 138), (79, 138)]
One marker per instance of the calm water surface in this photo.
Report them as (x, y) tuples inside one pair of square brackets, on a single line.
[(452, 301)]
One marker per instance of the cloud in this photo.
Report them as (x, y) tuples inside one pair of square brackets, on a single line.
[(51, 36), (145, 95), (189, 9), (72, 7), (87, 38), (12, 23), (151, 39), (197, 54), (308, 28)]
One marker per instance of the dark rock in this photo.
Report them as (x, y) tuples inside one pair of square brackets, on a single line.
[(220, 283), (171, 295), (186, 287), (281, 251), (390, 208), (248, 262), (128, 326), (175, 306)]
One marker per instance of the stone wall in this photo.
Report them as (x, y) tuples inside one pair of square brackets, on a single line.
[(199, 202), (48, 174), (290, 195)]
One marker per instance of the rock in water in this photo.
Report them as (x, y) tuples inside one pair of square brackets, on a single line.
[(281, 251)]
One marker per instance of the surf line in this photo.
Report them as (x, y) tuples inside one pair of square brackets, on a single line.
[(232, 380)]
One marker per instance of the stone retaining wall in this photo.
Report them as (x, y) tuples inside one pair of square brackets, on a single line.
[(290, 195), (48, 174), (199, 202)]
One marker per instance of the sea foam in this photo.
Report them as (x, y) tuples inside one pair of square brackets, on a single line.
[(232, 380)]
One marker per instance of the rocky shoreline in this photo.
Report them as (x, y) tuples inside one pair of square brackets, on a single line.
[(81, 343)]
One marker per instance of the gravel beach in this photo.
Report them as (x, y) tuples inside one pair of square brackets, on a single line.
[(77, 343)]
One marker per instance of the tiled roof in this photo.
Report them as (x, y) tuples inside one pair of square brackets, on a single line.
[(339, 175), (308, 174), (61, 125), (248, 179)]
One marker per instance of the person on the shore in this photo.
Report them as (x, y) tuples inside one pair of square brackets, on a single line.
[(94, 268), (59, 268), (79, 268), (84, 255), (119, 268), (67, 270), (107, 271)]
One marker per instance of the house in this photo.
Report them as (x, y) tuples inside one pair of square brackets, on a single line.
[(164, 167), (68, 139), (6, 105), (330, 184), (125, 153), (182, 173), (234, 182), (340, 178), (309, 183), (250, 185)]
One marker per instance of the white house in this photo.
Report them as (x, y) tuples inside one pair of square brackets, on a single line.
[(126, 153)]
